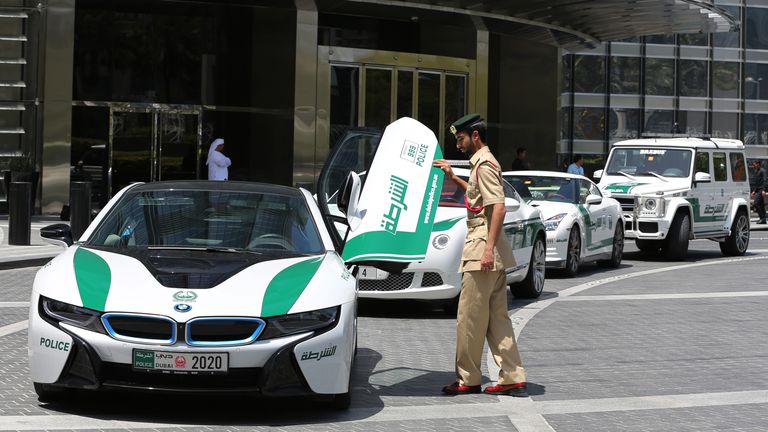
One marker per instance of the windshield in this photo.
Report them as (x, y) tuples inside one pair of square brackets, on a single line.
[(557, 189), (210, 220), (650, 161)]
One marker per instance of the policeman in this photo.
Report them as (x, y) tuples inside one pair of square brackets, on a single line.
[(758, 186), (482, 312)]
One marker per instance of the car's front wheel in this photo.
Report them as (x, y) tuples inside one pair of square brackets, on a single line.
[(736, 244), (573, 254), (618, 249), (533, 284), (678, 237)]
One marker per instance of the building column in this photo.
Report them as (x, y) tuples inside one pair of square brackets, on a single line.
[(55, 121), (305, 96), (481, 64)]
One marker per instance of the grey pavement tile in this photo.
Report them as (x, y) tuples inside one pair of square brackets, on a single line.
[(12, 316), (747, 418), (16, 284)]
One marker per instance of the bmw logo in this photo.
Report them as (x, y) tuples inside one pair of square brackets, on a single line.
[(182, 307)]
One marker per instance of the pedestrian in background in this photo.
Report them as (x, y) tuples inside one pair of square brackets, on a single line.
[(521, 162), (218, 164), (758, 190), (577, 167), (482, 312)]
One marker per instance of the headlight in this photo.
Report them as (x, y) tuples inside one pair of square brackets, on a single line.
[(650, 204), (441, 241), (285, 325), (54, 312), (651, 207), (552, 223)]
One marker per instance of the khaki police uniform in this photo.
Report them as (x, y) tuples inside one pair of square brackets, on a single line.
[(482, 312)]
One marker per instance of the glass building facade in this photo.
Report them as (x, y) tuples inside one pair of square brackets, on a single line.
[(698, 84)]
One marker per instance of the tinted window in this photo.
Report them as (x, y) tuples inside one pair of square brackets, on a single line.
[(625, 75), (721, 170), (702, 162), (692, 78), (650, 162), (660, 77), (738, 169), (557, 189), (589, 74)]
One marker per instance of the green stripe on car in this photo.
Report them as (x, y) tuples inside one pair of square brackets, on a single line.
[(93, 278), (288, 285)]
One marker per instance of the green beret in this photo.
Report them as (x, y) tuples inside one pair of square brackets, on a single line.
[(465, 123)]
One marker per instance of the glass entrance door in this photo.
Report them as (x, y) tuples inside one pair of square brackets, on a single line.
[(153, 145)]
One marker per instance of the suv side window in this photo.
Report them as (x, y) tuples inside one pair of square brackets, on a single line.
[(738, 168), (721, 169), (702, 162)]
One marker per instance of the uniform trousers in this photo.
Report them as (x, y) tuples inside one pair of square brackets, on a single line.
[(760, 203), (482, 314)]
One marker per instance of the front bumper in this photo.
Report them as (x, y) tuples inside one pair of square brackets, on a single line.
[(557, 249), (424, 284), (644, 228)]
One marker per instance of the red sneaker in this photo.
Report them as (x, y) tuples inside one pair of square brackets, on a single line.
[(457, 388), (516, 389)]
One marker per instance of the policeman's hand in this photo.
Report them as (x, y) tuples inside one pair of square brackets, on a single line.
[(486, 263), (445, 166)]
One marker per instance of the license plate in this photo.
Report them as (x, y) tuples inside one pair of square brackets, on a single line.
[(179, 362), (371, 273)]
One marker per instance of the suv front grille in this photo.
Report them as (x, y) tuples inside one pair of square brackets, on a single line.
[(431, 279), (627, 204)]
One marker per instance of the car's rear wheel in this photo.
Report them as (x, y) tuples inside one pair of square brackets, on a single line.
[(573, 254), (736, 244), (618, 249), (533, 284)]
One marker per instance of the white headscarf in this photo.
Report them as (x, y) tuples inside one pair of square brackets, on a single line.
[(212, 149)]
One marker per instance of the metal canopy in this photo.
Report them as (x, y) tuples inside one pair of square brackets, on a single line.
[(570, 24)]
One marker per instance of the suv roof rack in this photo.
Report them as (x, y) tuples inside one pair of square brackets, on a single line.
[(707, 137)]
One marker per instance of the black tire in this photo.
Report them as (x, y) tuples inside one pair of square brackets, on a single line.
[(49, 393), (649, 246), (618, 249), (532, 286), (573, 253), (737, 243), (679, 234)]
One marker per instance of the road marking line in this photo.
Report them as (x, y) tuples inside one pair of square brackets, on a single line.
[(13, 304), (666, 296), (13, 328)]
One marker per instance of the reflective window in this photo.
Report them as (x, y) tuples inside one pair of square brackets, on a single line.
[(725, 79), (565, 123), (567, 63), (721, 170), (589, 74), (660, 121), (692, 122), (757, 28), (625, 75), (738, 168), (455, 103), (429, 100), (692, 78), (623, 124), (660, 77), (755, 129), (378, 97), (729, 39), (755, 81), (660, 39), (702, 162), (589, 123), (692, 39), (345, 86), (725, 125), (404, 93)]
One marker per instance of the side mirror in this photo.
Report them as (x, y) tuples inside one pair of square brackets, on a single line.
[(593, 199), (597, 174), (349, 199), (511, 204), (702, 177), (57, 235)]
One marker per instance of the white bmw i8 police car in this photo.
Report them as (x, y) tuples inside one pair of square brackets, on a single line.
[(582, 225), (204, 286)]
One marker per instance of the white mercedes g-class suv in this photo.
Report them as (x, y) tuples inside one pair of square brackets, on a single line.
[(672, 190)]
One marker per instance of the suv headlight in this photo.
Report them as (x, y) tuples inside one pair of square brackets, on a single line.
[(552, 223), (652, 206), (55, 312), (320, 320)]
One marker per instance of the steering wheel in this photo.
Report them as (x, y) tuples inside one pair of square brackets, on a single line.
[(557, 195), (271, 239)]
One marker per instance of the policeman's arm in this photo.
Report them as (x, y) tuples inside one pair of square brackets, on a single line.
[(446, 167), (494, 229)]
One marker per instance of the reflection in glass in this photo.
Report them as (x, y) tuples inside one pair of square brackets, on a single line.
[(625, 75), (755, 129), (589, 123), (692, 39), (378, 97), (178, 146), (565, 123), (692, 122), (131, 149), (757, 28), (567, 63), (404, 93), (659, 121), (692, 78), (728, 39), (660, 77), (725, 79), (345, 84), (90, 138), (660, 39), (455, 108), (429, 100), (589, 74), (645, 162), (725, 125), (756, 81), (623, 124)]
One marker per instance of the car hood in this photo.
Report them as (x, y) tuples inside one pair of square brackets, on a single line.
[(550, 208), (116, 282), (646, 186)]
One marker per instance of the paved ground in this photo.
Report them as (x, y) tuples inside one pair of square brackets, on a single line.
[(650, 346)]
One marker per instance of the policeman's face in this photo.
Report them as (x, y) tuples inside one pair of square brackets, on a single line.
[(465, 142)]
